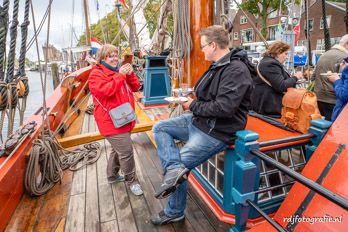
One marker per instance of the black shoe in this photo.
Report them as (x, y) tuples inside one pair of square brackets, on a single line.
[(161, 218), (172, 179)]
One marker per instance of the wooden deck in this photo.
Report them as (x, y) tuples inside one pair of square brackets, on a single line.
[(84, 201)]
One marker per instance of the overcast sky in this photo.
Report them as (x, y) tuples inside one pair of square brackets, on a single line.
[(62, 19)]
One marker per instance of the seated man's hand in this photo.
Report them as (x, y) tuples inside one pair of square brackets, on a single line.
[(186, 105)]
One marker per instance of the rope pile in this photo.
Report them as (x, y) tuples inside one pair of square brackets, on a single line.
[(48, 160)]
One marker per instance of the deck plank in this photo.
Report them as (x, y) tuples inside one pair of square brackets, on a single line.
[(76, 214), (92, 204), (106, 209), (139, 204), (125, 218), (110, 226), (144, 146), (153, 204)]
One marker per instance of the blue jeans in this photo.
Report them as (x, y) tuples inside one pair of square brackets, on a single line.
[(199, 148)]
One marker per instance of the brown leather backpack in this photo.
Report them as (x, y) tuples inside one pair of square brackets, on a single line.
[(299, 108)]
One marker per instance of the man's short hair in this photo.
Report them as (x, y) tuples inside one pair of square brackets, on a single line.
[(217, 34), (344, 40)]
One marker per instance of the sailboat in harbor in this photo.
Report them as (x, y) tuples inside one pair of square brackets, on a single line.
[(254, 185)]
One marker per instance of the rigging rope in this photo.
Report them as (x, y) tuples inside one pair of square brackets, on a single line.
[(134, 10), (100, 22), (3, 34), (22, 80), (24, 33), (48, 158), (32, 40), (12, 52), (182, 40)]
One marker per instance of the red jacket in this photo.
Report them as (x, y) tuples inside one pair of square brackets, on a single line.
[(109, 88)]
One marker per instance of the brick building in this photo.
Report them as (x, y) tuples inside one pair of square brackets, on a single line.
[(335, 13), (243, 32), (53, 53)]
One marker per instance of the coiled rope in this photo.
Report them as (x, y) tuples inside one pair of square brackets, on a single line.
[(182, 42), (48, 159)]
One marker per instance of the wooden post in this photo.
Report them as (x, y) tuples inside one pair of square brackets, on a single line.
[(201, 16), (55, 75)]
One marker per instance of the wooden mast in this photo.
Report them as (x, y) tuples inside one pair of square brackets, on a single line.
[(201, 16), (88, 36)]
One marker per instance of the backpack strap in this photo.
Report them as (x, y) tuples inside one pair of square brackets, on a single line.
[(260, 75)]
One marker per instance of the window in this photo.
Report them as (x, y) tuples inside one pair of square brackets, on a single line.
[(247, 35), (328, 19), (235, 36), (310, 23), (335, 40), (320, 44), (272, 13), (272, 31), (303, 43), (243, 20)]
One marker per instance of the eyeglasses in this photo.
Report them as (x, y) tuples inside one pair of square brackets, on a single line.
[(112, 56), (203, 46)]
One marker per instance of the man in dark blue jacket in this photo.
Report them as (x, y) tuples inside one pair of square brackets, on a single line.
[(218, 112)]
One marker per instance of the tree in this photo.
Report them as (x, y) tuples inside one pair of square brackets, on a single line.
[(262, 8)]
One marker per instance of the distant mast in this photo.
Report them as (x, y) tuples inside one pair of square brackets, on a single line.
[(88, 37)]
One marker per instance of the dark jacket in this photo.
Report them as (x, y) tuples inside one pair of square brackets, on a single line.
[(267, 100), (223, 97), (341, 90)]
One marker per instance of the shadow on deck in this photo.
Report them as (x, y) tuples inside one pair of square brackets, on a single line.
[(84, 201)]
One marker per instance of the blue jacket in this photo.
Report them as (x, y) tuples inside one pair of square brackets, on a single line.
[(341, 90)]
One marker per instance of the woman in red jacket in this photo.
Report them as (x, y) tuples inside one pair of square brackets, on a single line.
[(111, 87)]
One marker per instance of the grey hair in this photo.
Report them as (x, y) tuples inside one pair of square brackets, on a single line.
[(344, 40)]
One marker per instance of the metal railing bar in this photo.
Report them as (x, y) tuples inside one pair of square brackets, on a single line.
[(303, 180), (265, 216), (286, 140), (274, 187)]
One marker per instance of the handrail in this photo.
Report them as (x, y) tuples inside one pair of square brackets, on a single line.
[(268, 218), (286, 140), (303, 180)]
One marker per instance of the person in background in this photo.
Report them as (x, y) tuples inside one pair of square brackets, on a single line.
[(323, 87), (219, 111), (111, 87), (341, 88), (272, 81)]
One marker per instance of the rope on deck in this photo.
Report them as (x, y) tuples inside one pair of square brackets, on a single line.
[(48, 159)]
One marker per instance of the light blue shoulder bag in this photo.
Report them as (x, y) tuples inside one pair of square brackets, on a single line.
[(122, 114)]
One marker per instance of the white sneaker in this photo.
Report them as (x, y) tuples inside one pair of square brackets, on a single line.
[(136, 189)]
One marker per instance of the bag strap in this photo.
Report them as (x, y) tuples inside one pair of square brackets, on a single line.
[(260, 75), (100, 104), (127, 88), (106, 110)]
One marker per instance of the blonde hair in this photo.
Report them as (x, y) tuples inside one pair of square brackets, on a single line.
[(104, 51)]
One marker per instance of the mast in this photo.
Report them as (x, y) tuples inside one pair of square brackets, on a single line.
[(201, 16), (88, 36)]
